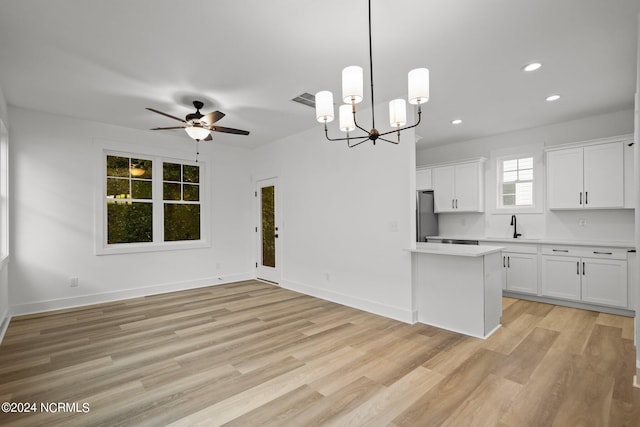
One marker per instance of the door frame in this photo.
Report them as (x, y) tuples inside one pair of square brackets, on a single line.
[(273, 275)]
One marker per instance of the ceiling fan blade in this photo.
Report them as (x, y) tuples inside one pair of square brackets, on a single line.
[(208, 138), (228, 130), (212, 117), (172, 127), (167, 115)]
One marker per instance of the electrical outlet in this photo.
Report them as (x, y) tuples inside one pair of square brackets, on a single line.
[(582, 222), (327, 276), (393, 226), (73, 282)]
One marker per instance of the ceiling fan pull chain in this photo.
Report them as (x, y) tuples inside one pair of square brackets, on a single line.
[(197, 149)]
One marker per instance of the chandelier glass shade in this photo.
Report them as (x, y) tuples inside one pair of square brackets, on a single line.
[(352, 94)]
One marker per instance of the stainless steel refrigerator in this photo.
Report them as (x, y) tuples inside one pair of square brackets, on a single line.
[(427, 220)]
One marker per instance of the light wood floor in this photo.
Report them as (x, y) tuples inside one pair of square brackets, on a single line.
[(252, 354)]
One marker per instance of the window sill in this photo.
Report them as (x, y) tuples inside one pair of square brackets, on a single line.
[(132, 248), (515, 210)]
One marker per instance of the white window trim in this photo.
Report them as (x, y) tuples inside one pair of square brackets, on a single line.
[(497, 158), (102, 248), (500, 183)]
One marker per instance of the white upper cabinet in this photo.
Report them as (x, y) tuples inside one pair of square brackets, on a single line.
[(467, 189), (586, 177), (444, 190), (423, 179), (564, 179), (604, 176), (459, 187)]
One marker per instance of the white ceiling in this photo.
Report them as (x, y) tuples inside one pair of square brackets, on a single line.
[(106, 60)]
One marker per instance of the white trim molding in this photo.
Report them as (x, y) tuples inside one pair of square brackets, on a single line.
[(5, 319), (84, 300), (396, 313)]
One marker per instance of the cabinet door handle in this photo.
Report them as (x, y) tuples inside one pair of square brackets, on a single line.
[(453, 204), (583, 268), (560, 250), (602, 253), (586, 197), (508, 262), (581, 197), (456, 203), (578, 268), (503, 263)]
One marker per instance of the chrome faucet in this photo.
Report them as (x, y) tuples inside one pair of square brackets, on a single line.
[(515, 230)]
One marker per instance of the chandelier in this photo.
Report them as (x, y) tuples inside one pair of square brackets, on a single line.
[(352, 94)]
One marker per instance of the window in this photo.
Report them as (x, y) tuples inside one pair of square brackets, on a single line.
[(181, 195), (516, 182), (150, 202), (129, 200)]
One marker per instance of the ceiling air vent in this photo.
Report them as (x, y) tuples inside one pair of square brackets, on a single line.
[(306, 99)]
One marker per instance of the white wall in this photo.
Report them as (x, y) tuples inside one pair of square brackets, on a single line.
[(3, 109), (55, 165), (637, 216), (600, 225), (4, 281), (346, 218)]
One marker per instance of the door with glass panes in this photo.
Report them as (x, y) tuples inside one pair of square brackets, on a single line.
[(267, 231)]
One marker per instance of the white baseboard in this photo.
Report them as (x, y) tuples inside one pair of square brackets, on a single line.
[(374, 307), (79, 301)]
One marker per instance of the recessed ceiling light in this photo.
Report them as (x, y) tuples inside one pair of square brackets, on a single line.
[(532, 66), (456, 121), (552, 98)]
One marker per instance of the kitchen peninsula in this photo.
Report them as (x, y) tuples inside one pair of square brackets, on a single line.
[(458, 287)]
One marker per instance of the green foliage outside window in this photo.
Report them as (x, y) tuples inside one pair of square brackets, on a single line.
[(129, 222), (268, 226), (181, 222)]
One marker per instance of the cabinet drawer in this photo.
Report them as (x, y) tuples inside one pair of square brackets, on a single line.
[(588, 252), (515, 248)]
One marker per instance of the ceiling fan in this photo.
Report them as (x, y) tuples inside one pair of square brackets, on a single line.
[(199, 126)]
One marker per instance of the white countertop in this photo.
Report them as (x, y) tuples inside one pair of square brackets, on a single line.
[(455, 250), (543, 241)]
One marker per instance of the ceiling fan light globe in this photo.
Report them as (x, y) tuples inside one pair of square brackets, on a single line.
[(136, 171), (197, 132)]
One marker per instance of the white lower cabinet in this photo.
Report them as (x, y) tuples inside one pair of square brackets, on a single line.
[(604, 281), (521, 272), (598, 276), (561, 277)]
